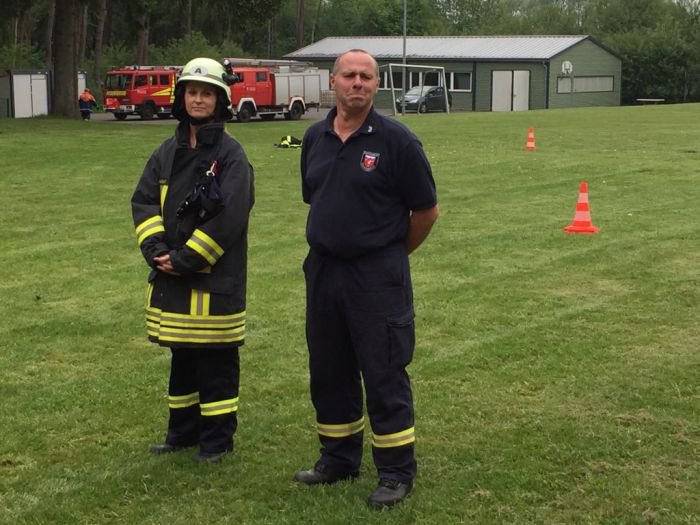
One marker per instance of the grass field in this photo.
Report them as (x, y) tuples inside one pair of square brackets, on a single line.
[(556, 377)]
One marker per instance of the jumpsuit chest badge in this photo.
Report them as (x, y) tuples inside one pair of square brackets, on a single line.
[(369, 161)]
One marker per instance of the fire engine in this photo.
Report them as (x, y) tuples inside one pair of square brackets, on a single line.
[(140, 90), (264, 88), (268, 88)]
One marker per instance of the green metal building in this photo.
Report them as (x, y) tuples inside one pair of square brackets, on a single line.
[(489, 73)]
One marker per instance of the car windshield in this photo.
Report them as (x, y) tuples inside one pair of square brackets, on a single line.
[(418, 90)]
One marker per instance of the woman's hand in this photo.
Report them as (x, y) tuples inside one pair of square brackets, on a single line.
[(164, 264)]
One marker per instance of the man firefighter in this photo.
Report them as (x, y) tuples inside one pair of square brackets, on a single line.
[(372, 201)]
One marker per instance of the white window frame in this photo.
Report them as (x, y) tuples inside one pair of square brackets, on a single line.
[(451, 77)]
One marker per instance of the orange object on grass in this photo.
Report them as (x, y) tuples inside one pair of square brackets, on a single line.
[(582, 219), (530, 146)]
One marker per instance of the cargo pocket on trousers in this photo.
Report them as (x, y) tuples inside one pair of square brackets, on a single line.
[(402, 338)]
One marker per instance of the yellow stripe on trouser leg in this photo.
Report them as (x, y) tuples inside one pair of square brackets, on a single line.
[(342, 430), (217, 408), (183, 401), (394, 440)]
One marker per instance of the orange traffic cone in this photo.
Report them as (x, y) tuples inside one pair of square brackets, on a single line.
[(530, 140), (582, 218)]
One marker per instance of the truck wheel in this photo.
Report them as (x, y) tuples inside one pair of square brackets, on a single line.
[(120, 116), (147, 112), (296, 111), (244, 113)]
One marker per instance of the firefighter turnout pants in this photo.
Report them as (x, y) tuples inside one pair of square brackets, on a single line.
[(203, 398), (360, 328)]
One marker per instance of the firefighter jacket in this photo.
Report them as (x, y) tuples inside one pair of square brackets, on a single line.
[(203, 303)]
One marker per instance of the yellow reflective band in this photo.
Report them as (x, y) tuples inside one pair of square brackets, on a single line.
[(161, 93), (341, 431), (205, 246), (149, 293), (217, 408), (183, 401), (200, 336), (199, 302), (188, 328), (163, 193), (149, 227), (394, 440), (194, 321)]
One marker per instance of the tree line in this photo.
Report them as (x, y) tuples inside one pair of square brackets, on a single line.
[(658, 40)]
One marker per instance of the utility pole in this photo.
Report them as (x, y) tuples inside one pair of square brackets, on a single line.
[(403, 69)]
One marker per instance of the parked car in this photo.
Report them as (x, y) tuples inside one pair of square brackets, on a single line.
[(424, 99)]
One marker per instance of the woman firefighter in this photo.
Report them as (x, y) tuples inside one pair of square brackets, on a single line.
[(191, 209)]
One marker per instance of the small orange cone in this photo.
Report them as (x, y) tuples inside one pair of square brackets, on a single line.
[(530, 140), (582, 218)]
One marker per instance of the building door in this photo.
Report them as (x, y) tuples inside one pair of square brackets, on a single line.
[(510, 90), (30, 94)]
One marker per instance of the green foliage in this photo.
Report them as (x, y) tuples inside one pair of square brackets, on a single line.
[(555, 376), (20, 56), (181, 50), (117, 56), (658, 56)]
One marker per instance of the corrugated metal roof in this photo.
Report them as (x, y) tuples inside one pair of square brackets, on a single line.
[(522, 47)]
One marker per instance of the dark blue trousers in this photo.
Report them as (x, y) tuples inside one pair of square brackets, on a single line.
[(203, 398), (360, 332)]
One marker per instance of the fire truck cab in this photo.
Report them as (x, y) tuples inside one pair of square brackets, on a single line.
[(140, 90)]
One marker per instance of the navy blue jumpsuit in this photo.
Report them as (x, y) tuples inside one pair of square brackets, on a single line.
[(360, 317)]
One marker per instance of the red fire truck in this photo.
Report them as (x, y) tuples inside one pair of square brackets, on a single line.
[(140, 90), (267, 88)]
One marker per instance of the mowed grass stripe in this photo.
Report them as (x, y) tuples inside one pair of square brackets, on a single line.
[(555, 376)]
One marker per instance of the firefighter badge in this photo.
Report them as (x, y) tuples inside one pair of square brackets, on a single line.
[(369, 161)]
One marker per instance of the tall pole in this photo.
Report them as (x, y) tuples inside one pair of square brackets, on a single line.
[(403, 69)]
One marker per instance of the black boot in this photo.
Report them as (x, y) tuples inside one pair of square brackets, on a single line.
[(389, 492), (210, 457), (322, 474), (165, 448)]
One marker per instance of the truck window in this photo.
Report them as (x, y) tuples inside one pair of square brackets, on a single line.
[(164, 80), (153, 79), (140, 80), (118, 81), (261, 76)]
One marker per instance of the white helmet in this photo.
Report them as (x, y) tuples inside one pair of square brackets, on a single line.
[(210, 72)]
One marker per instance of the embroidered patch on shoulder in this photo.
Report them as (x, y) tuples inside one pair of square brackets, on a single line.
[(369, 161)]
